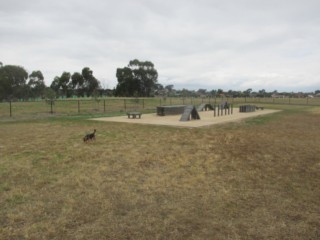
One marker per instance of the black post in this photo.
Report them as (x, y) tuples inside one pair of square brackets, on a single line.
[(125, 104), (51, 107), (10, 108), (218, 110), (231, 108), (214, 110), (142, 103)]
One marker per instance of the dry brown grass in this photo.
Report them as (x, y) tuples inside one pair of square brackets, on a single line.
[(257, 179)]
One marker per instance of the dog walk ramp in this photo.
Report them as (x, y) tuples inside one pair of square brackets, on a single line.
[(201, 107), (204, 107), (190, 112)]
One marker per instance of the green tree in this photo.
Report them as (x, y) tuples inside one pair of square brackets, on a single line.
[(127, 85), (90, 83), (36, 84), (61, 84), (138, 79), (13, 82), (247, 92), (49, 93), (55, 85), (76, 83), (64, 83)]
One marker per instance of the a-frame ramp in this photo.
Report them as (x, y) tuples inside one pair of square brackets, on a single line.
[(190, 112)]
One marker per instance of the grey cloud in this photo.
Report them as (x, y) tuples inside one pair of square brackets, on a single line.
[(205, 43)]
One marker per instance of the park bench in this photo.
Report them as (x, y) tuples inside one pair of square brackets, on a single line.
[(134, 114)]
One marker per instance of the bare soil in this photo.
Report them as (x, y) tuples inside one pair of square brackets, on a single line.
[(206, 118)]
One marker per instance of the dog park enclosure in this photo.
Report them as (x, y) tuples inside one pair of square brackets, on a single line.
[(111, 105)]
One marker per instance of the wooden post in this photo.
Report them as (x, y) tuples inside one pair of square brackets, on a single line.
[(142, 103), (125, 104), (218, 110), (231, 108), (78, 106), (104, 105), (214, 110), (10, 108)]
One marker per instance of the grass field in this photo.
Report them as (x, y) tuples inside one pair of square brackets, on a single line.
[(255, 179)]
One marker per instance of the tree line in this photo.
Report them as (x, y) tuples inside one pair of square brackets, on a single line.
[(16, 83), (137, 79)]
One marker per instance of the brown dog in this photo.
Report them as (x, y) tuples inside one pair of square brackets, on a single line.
[(90, 136)]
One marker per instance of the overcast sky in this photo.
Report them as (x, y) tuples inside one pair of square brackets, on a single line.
[(212, 44)]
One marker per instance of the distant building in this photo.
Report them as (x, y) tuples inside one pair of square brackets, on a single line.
[(276, 95)]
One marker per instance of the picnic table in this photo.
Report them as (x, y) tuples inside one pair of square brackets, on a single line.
[(134, 114)]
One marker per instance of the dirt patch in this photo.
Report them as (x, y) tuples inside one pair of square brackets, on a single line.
[(206, 118)]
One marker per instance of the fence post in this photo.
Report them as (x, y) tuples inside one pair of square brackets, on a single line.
[(51, 107), (125, 104), (104, 105), (78, 106), (10, 108), (143, 103)]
